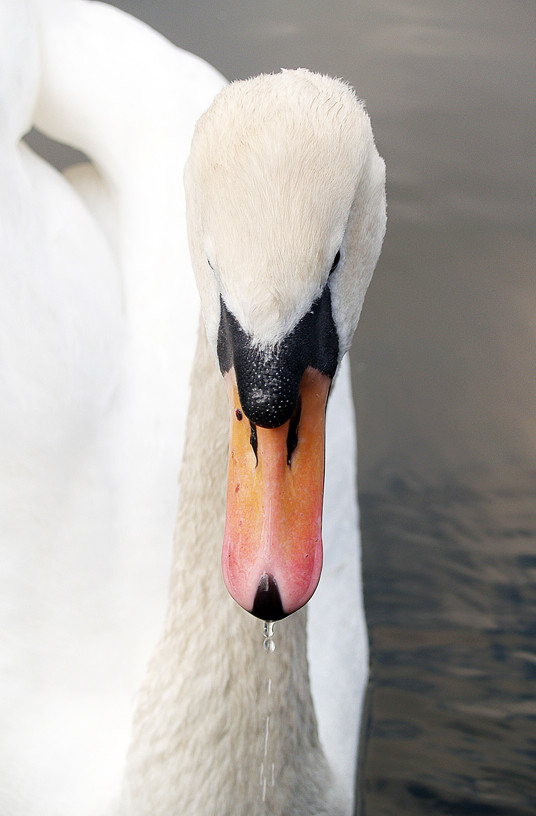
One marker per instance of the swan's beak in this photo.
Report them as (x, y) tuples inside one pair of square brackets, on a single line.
[(272, 548)]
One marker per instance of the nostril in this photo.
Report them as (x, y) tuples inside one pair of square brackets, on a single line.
[(292, 436), (267, 604), (253, 441)]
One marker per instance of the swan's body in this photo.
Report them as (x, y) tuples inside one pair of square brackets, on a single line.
[(99, 320)]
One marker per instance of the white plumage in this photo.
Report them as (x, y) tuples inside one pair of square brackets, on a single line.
[(99, 317)]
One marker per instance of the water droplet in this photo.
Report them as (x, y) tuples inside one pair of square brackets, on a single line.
[(268, 629), (269, 645), (266, 734)]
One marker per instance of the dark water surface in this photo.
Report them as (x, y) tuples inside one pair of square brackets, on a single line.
[(451, 601), (445, 377)]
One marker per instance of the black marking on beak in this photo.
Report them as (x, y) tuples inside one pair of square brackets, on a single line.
[(292, 436), (253, 441), (267, 604), (269, 377)]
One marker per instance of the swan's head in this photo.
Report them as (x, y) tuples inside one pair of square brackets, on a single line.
[(286, 217)]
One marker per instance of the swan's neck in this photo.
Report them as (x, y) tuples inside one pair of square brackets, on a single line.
[(200, 728)]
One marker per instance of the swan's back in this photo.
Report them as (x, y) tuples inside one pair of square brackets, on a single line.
[(98, 324), (98, 320)]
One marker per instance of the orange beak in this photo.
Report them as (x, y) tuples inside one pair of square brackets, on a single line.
[(272, 547)]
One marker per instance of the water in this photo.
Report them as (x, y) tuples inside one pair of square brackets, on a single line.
[(267, 765), (451, 722), (267, 773), (269, 642), (445, 387), (445, 378)]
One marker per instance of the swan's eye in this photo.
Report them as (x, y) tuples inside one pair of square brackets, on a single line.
[(335, 263)]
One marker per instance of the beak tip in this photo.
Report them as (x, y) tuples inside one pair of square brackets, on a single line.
[(267, 604)]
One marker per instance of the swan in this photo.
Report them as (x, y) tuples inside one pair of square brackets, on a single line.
[(121, 693)]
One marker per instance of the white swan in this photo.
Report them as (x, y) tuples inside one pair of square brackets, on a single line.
[(97, 322)]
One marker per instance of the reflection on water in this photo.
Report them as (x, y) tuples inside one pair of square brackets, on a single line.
[(451, 600), (446, 392)]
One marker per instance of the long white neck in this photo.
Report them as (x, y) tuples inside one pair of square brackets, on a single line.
[(201, 743)]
